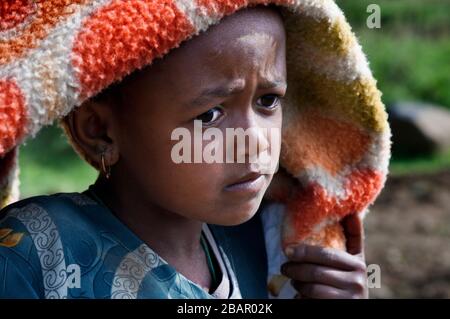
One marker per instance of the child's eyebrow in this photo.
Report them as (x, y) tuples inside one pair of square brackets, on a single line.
[(225, 91)]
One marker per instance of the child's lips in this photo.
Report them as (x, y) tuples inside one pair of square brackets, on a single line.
[(251, 183)]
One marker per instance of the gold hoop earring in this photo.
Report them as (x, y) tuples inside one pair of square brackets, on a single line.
[(106, 171)]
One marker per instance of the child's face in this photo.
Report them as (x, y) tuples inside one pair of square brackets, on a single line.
[(246, 51)]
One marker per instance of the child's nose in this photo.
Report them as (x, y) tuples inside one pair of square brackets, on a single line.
[(252, 142)]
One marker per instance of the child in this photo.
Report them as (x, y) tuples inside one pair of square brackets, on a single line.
[(150, 227)]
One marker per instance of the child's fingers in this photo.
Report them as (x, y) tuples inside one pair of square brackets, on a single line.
[(318, 291), (333, 258), (354, 233), (312, 273)]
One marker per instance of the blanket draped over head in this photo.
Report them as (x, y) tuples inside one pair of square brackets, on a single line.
[(56, 54)]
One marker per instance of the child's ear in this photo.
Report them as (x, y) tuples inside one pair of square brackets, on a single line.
[(92, 132)]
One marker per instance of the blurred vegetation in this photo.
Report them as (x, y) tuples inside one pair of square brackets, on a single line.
[(49, 165), (409, 56), (424, 164)]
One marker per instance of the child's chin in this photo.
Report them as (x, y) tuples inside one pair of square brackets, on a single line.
[(238, 216)]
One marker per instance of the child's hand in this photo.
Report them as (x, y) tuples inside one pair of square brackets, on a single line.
[(318, 272)]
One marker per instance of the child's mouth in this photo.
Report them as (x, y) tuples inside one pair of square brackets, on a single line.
[(249, 184)]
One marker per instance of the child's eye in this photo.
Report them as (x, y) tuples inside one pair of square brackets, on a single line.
[(269, 101), (210, 116)]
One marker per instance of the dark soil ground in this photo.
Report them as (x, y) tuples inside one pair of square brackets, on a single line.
[(408, 236)]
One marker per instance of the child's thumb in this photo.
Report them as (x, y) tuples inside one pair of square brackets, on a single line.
[(354, 233)]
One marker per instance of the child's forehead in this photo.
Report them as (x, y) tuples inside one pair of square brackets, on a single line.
[(261, 19), (254, 27)]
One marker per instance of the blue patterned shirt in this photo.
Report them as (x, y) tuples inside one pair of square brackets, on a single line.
[(67, 245)]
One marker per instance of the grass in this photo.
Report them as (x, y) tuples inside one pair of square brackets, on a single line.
[(410, 68), (428, 18), (49, 165), (409, 54), (431, 164)]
